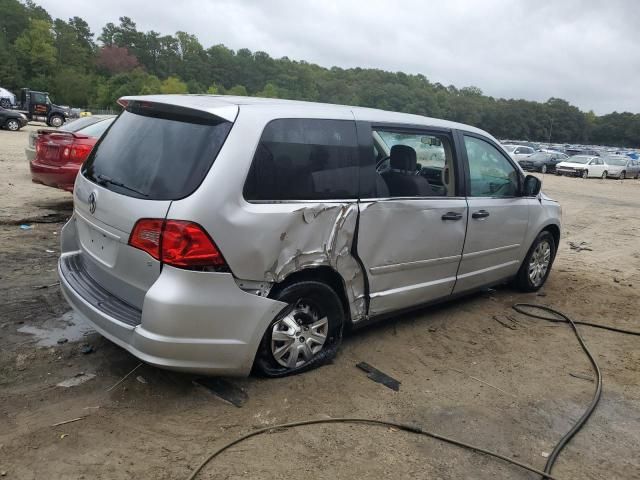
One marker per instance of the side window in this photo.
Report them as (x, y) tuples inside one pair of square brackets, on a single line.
[(491, 174), (414, 164), (37, 98), (305, 159)]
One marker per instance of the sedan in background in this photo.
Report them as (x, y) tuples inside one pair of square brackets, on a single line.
[(72, 126), (59, 154), (518, 152), (621, 166), (584, 166), (12, 120), (542, 162)]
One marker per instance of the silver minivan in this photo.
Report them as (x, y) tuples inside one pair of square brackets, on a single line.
[(218, 235)]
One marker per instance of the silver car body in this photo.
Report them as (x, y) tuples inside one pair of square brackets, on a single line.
[(389, 254), (619, 164)]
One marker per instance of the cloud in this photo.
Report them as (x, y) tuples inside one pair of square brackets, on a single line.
[(583, 51)]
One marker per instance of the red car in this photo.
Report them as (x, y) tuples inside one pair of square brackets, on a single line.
[(59, 154)]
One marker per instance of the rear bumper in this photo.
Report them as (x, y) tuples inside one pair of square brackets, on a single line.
[(57, 176), (199, 322)]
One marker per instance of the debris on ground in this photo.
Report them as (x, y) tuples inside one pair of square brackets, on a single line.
[(87, 349), (124, 378), (506, 321), (26, 226), (482, 381), (224, 389), (379, 377), (64, 422), (62, 340), (141, 379), (41, 287), (579, 247), (581, 376), (77, 380)]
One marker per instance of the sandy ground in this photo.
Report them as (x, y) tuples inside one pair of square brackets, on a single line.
[(163, 428)]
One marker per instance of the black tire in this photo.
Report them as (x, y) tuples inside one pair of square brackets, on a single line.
[(585, 174), (55, 121), (543, 168), (604, 175), (324, 299), (523, 280), (5, 103), (623, 175), (12, 124)]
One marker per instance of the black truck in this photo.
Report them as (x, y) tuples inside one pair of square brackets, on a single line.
[(38, 107)]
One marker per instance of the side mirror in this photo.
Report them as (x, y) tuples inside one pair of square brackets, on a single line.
[(532, 186)]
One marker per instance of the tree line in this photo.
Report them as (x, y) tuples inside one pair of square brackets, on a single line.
[(65, 58)]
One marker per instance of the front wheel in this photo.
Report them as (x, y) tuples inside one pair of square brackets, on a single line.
[(543, 169), (623, 175), (306, 334), (604, 175), (5, 103), (585, 174), (13, 125), (537, 264)]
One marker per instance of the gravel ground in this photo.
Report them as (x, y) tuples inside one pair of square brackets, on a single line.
[(506, 385)]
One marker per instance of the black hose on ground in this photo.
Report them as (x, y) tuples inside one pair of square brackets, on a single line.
[(546, 474), (525, 309)]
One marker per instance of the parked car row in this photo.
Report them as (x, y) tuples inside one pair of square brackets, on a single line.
[(586, 166)]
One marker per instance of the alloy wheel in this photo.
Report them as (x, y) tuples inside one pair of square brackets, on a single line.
[(300, 335), (56, 121), (544, 169), (539, 263), (604, 175), (585, 174), (13, 125)]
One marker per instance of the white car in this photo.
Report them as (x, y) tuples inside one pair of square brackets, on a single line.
[(518, 152), (7, 99), (587, 166)]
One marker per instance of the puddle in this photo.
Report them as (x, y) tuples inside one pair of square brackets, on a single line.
[(69, 326)]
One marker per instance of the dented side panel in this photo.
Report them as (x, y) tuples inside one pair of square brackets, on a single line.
[(264, 242)]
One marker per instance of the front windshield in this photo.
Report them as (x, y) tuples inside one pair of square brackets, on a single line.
[(47, 100), (616, 161), (579, 159)]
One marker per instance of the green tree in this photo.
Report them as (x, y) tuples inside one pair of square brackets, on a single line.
[(35, 48), (239, 90), (173, 85)]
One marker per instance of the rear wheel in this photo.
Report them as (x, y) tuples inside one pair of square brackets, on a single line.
[(537, 264), (585, 174), (543, 169), (5, 103), (623, 175), (12, 124), (306, 334), (604, 175)]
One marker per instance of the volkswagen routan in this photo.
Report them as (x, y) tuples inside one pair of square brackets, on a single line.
[(223, 235)]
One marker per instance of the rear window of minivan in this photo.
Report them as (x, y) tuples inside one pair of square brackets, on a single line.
[(157, 152)]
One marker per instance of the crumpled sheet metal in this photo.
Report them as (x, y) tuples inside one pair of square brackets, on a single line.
[(322, 235)]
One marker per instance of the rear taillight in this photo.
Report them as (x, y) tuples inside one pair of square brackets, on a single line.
[(79, 153), (177, 243)]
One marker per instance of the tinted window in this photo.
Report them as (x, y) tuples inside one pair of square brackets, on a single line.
[(157, 152), (415, 164), (96, 129), (80, 123), (38, 98), (305, 159), (491, 174)]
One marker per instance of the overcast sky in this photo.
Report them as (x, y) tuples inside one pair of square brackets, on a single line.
[(585, 51)]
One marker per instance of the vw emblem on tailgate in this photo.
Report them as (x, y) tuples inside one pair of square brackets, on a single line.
[(92, 203)]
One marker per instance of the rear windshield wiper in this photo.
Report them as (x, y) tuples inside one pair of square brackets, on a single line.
[(105, 179)]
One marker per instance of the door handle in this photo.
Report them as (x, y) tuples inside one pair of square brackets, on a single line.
[(452, 216), (480, 214)]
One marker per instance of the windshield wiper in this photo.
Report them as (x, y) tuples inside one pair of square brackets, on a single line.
[(105, 179)]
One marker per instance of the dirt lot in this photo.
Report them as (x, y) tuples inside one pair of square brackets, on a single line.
[(163, 428)]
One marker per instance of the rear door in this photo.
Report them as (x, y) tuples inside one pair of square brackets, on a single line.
[(498, 215), (412, 216), (151, 155)]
